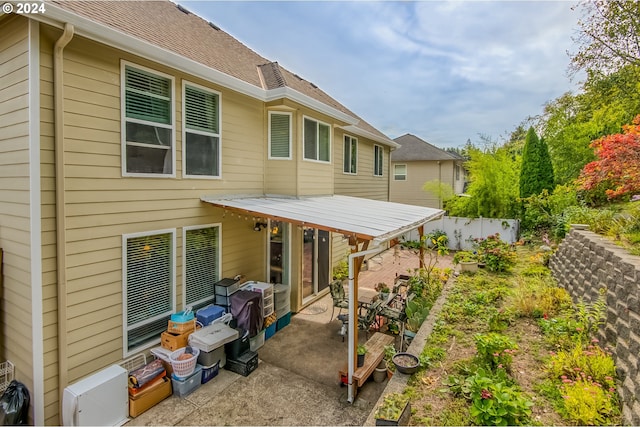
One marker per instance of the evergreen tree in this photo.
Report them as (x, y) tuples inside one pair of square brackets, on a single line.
[(536, 173)]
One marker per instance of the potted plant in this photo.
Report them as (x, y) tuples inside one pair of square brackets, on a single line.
[(389, 352), (467, 260), (394, 410), (362, 351), (383, 290)]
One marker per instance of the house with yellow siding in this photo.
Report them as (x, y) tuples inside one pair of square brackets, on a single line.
[(416, 162), (129, 133)]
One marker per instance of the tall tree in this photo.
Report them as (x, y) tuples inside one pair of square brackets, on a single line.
[(609, 36), (536, 173)]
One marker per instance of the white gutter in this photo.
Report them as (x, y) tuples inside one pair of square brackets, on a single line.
[(111, 37), (353, 320)]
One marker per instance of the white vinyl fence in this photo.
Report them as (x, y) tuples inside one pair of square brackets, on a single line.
[(462, 231)]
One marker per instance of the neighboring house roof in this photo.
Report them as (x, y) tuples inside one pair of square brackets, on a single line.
[(413, 148), (366, 219), (175, 29)]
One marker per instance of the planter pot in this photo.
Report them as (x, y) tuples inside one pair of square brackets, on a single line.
[(402, 420), (468, 266), (406, 363), (361, 360), (380, 374)]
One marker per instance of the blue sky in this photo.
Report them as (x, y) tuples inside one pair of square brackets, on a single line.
[(444, 71)]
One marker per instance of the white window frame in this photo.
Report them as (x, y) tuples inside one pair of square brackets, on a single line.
[(396, 175), (318, 123), (124, 120), (184, 257), (281, 113), (125, 328), (378, 150), (186, 83), (351, 141)]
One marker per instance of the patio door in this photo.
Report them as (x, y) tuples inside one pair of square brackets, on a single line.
[(315, 262), (278, 252)]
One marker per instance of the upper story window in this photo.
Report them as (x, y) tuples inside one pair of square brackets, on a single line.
[(148, 287), (317, 140), (147, 122), (279, 135), (201, 134), (457, 172), (350, 154), (400, 172), (378, 160)]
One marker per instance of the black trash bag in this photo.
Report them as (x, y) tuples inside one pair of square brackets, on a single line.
[(14, 405)]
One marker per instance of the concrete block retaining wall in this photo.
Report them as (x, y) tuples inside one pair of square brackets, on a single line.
[(586, 264)]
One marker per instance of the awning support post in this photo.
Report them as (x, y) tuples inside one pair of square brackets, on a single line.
[(355, 262), (420, 237)]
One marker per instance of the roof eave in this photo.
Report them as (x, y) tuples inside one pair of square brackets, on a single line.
[(307, 101), (57, 17), (366, 134)]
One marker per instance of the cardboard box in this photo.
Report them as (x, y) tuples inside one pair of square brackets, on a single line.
[(150, 397), (172, 341)]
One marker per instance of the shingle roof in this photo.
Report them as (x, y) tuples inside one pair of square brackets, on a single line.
[(413, 148), (174, 28)]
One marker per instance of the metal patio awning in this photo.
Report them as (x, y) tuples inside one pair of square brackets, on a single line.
[(365, 219)]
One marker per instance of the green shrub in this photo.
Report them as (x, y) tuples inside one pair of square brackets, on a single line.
[(495, 402), (495, 350), (497, 255), (586, 402), (590, 363)]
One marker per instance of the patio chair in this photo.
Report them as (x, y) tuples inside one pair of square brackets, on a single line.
[(370, 317), (338, 296)]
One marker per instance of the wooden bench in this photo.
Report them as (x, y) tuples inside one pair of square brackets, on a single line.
[(375, 353)]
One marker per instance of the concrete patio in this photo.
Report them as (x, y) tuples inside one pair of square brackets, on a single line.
[(297, 381)]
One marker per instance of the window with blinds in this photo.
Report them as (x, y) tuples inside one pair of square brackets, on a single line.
[(279, 135), (350, 154), (317, 140), (377, 160), (400, 172), (149, 287), (201, 265), (201, 132), (148, 122)]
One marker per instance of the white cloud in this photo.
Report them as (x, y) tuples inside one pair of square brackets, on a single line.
[(441, 70)]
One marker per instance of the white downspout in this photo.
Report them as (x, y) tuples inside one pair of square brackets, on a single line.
[(61, 230), (352, 320)]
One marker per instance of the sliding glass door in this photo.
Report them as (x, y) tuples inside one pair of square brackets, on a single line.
[(315, 262)]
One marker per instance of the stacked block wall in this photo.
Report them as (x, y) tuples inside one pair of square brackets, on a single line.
[(587, 265)]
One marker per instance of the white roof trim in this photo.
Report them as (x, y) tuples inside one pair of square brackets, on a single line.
[(57, 16), (366, 134), (366, 219)]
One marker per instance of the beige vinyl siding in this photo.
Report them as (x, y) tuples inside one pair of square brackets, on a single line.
[(102, 205), (313, 177), (419, 172), (362, 184), (15, 230)]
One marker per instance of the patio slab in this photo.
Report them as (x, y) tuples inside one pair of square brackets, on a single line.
[(297, 381)]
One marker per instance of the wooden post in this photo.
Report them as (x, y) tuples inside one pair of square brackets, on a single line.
[(353, 316), (420, 236)]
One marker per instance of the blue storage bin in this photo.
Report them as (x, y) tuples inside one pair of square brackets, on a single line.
[(283, 321), (270, 330), (208, 314), (208, 372)]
